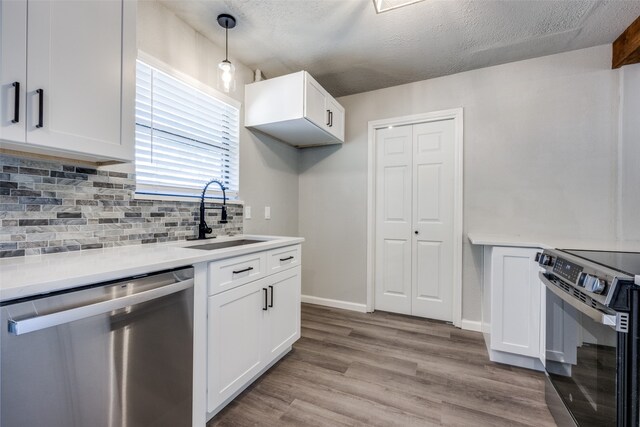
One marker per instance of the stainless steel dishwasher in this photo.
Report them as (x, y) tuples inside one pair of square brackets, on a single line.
[(117, 354)]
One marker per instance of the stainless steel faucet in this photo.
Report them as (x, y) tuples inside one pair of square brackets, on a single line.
[(203, 228)]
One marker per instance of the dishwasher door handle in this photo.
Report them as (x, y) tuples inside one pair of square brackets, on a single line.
[(24, 326)]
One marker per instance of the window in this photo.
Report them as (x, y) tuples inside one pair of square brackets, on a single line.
[(185, 136)]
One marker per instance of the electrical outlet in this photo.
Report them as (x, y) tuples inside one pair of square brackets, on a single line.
[(247, 212), (267, 212)]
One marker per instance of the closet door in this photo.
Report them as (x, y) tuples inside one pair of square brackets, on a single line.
[(414, 219), (433, 205), (393, 219)]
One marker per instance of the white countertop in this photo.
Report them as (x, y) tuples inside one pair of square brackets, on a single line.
[(33, 275), (545, 242)]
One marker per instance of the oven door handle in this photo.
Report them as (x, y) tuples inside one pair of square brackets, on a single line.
[(598, 316)]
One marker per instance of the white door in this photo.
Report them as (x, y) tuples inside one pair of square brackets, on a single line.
[(393, 219), (13, 69), (414, 219), (314, 107), (433, 205), (283, 316), (515, 306), (236, 339), (336, 119), (75, 58)]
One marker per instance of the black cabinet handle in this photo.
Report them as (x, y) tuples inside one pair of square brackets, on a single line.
[(16, 103), (271, 288), (264, 308), (40, 93), (243, 271), (330, 119), (286, 259)]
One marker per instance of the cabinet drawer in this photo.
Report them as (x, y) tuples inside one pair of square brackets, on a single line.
[(283, 258), (229, 273)]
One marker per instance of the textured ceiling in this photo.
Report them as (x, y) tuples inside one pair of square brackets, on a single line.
[(349, 48)]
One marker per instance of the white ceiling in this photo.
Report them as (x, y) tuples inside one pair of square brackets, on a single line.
[(349, 48)]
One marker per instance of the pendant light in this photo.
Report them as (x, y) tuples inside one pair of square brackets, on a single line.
[(226, 70)]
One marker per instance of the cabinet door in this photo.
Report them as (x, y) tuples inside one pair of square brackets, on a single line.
[(236, 342), (515, 301), (315, 109), (336, 119), (13, 69), (284, 312), (75, 56)]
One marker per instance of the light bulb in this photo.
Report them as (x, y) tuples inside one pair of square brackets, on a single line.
[(226, 76)]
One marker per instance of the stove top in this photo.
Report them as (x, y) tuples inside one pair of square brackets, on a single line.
[(624, 262)]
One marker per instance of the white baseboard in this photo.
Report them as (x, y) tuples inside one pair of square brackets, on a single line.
[(471, 325), (345, 305)]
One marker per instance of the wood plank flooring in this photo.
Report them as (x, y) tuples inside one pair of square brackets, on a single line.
[(384, 369)]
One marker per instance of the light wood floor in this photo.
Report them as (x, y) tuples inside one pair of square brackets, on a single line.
[(384, 369)]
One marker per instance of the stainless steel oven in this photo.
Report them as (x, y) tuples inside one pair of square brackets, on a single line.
[(591, 336)]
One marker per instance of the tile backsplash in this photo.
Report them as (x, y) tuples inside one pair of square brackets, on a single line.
[(48, 206)]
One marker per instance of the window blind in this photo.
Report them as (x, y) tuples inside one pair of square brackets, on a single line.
[(184, 137)]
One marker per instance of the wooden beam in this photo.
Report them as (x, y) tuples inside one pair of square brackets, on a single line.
[(626, 49)]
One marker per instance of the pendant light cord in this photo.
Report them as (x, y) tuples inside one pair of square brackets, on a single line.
[(226, 42)]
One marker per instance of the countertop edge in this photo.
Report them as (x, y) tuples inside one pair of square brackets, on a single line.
[(184, 257), (547, 242)]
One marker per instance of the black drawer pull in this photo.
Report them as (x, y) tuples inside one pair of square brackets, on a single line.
[(40, 93), (16, 103), (328, 117), (286, 259), (243, 271), (271, 288), (265, 299)]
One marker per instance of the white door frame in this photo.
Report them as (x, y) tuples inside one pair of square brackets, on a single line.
[(457, 115)]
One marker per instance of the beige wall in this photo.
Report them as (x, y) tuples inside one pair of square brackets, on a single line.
[(630, 153), (540, 158), (268, 169)]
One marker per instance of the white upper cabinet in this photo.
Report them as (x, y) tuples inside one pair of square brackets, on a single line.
[(295, 109), (77, 78)]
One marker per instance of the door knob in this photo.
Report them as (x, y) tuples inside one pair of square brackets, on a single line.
[(416, 232)]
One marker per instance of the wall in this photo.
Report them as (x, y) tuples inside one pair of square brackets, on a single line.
[(540, 158), (268, 168), (629, 228), (47, 206)]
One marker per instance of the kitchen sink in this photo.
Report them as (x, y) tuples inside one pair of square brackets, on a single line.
[(220, 245)]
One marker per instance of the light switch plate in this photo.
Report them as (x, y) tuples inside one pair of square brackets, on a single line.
[(247, 212), (267, 212)]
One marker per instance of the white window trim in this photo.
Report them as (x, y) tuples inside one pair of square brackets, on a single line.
[(166, 68)]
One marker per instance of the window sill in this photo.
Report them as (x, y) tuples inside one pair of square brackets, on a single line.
[(164, 198)]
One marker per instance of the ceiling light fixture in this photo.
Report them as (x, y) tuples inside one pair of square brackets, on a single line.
[(226, 70), (387, 5)]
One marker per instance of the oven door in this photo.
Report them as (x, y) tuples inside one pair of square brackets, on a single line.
[(581, 360)]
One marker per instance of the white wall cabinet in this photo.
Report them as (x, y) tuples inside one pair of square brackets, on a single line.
[(295, 109), (250, 326), (512, 306), (75, 66)]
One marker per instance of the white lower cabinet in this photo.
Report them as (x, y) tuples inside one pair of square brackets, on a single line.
[(249, 327), (283, 314), (236, 340), (512, 306)]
